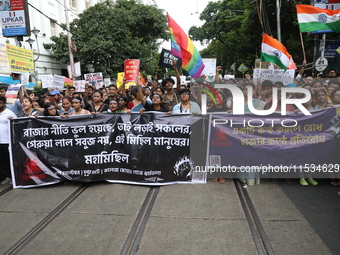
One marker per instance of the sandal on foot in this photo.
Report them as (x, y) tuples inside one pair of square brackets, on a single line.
[(333, 182), (273, 180), (303, 182), (222, 180), (215, 179), (312, 181)]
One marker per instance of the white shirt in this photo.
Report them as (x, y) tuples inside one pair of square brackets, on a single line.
[(4, 125)]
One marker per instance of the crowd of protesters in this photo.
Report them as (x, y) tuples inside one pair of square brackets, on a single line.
[(161, 97)]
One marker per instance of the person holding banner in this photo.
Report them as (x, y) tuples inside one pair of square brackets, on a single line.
[(76, 104), (5, 115), (50, 110), (122, 104), (28, 110), (67, 106), (113, 106), (97, 105)]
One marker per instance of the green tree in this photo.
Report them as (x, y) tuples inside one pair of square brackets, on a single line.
[(109, 33), (234, 28)]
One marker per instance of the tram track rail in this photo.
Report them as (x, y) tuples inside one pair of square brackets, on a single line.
[(132, 242), (3, 192), (137, 230), (135, 235), (29, 236), (259, 236)]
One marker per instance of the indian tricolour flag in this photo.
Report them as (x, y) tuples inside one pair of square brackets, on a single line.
[(275, 52), (312, 18)]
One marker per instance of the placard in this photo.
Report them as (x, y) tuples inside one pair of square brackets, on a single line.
[(274, 75), (131, 70), (47, 80), (12, 93), (80, 85), (94, 79), (58, 82), (209, 66)]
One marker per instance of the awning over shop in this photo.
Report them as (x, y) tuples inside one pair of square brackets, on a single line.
[(5, 80)]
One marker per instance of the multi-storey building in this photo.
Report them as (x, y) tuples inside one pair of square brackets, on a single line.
[(46, 16)]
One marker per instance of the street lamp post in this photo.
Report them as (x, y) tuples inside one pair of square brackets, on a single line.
[(36, 31), (30, 41)]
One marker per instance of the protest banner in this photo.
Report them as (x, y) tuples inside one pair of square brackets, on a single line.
[(131, 70), (209, 66), (80, 85), (47, 80), (94, 79), (77, 70), (107, 82), (166, 58), (25, 79), (274, 75), (150, 149), (295, 145), (229, 76), (58, 81), (12, 92)]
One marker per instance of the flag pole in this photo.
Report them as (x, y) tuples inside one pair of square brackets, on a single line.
[(303, 47)]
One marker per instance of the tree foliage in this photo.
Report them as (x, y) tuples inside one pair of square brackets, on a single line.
[(234, 28), (109, 33)]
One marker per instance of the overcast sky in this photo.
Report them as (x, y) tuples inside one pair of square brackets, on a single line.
[(185, 13)]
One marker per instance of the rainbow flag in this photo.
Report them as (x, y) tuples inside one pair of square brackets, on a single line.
[(182, 47), (312, 18), (275, 52)]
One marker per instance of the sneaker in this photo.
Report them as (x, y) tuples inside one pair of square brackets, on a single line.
[(303, 182), (312, 181), (7, 181), (250, 182)]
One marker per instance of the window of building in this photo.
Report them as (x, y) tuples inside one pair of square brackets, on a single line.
[(53, 28)]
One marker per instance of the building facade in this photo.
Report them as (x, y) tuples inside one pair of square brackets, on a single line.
[(45, 16)]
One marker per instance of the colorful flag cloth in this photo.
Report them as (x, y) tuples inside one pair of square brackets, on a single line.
[(182, 47), (275, 52), (312, 18)]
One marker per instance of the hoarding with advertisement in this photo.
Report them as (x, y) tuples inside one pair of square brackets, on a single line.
[(14, 18), (20, 59)]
